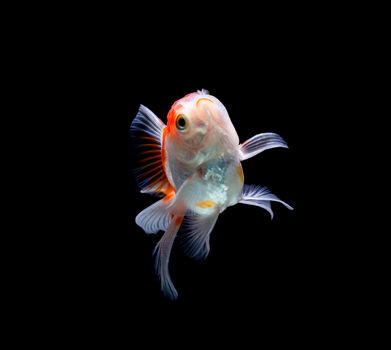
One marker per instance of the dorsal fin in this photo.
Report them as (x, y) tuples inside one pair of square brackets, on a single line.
[(147, 131)]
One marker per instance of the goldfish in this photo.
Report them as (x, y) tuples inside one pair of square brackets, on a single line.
[(194, 165)]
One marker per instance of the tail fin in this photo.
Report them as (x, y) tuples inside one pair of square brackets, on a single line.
[(162, 256)]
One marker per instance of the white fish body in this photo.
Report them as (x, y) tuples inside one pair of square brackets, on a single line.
[(195, 163)]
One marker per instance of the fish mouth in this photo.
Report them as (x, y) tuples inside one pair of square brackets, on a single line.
[(201, 129), (197, 138)]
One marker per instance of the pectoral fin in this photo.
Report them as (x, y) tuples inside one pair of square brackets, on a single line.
[(147, 131), (260, 143)]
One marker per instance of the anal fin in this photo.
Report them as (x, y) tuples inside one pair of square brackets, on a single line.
[(197, 232), (260, 197)]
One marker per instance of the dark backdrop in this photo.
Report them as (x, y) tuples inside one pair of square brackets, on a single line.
[(288, 267), (270, 264)]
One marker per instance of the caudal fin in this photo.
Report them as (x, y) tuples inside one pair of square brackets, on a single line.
[(162, 256)]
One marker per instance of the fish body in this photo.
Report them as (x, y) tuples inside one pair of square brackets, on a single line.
[(194, 163)]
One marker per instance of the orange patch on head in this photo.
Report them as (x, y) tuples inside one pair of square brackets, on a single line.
[(171, 120), (170, 187), (239, 170), (206, 204), (203, 99)]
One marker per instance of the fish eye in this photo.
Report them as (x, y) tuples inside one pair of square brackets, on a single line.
[(181, 122)]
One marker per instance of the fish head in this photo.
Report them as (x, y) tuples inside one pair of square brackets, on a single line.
[(189, 121), (198, 121)]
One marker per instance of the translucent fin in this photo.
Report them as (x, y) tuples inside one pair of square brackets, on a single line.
[(146, 130), (162, 256), (260, 197), (260, 143), (156, 217), (196, 236), (203, 92)]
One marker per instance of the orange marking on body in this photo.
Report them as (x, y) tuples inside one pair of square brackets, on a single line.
[(178, 220), (168, 189), (163, 150), (164, 135), (171, 117), (169, 196), (170, 121), (203, 99), (164, 160), (206, 204), (239, 170)]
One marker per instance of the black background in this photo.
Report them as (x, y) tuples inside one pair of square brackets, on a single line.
[(288, 79), (274, 266), (81, 269)]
